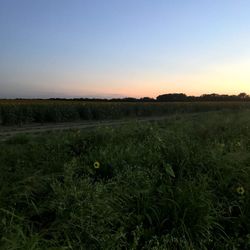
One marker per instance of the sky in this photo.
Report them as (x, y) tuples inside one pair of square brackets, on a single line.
[(118, 48)]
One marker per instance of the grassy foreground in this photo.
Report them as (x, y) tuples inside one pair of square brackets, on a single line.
[(183, 183)]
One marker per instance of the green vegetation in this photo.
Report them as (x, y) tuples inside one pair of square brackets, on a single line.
[(18, 112), (182, 183)]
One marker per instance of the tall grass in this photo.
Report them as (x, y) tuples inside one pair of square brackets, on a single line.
[(166, 185)]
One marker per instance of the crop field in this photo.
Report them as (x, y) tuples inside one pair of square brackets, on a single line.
[(19, 112), (178, 183)]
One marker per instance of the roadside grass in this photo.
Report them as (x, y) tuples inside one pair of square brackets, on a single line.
[(182, 183)]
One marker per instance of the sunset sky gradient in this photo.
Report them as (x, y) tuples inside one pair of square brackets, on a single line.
[(113, 48)]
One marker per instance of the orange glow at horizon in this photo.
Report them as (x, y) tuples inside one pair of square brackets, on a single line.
[(222, 78), (228, 78)]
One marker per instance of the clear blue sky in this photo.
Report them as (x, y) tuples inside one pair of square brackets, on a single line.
[(71, 48)]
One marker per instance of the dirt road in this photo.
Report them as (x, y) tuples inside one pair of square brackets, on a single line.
[(6, 132)]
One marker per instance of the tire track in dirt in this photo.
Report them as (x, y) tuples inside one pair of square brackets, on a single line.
[(7, 132)]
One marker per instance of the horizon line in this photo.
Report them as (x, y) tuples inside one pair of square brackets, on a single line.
[(110, 97)]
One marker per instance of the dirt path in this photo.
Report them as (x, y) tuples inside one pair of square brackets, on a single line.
[(6, 132)]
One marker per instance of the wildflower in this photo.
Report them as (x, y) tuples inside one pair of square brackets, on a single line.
[(240, 190), (96, 164)]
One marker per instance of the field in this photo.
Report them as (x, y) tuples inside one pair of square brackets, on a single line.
[(179, 183), (19, 112)]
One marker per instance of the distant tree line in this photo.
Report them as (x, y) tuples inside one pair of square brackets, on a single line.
[(173, 97), (206, 97), (178, 97)]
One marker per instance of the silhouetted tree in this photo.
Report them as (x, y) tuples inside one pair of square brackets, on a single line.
[(172, 97), (147, 99), (243, 96)]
